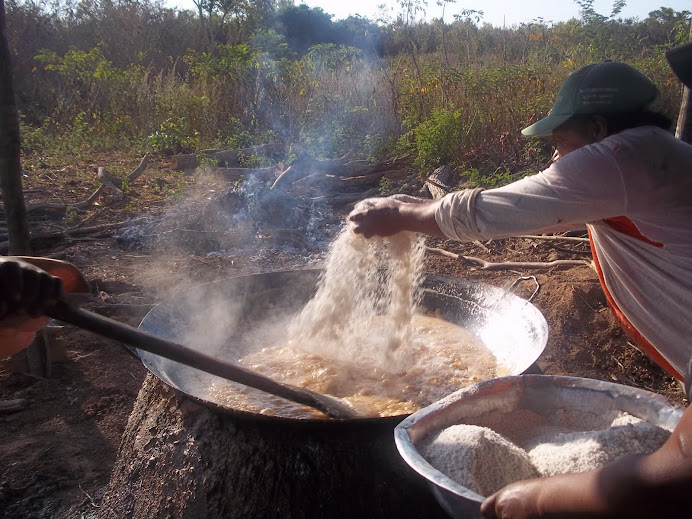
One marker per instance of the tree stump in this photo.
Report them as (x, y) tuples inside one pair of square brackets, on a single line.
[(183, 459)]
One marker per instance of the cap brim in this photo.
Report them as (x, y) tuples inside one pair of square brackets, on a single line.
[(680, 60), (545, 126)]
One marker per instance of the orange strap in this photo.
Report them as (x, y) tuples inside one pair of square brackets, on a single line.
[(629, 328)]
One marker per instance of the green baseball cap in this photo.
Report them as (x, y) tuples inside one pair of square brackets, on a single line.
[(602, 88), (680, 60)]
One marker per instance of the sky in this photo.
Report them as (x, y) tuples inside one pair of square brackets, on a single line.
[(499, 12), (495, 12)]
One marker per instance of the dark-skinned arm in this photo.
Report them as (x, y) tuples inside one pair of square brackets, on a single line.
[(635, 486)]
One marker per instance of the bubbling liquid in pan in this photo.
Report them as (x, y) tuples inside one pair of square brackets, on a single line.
[(441, 358), (362, 338)]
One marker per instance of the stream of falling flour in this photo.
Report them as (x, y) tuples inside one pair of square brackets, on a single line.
[(363, 281), (361, 338)]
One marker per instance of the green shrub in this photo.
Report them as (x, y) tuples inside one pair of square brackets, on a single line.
[(436, 141), (498, 178), (173, 137)]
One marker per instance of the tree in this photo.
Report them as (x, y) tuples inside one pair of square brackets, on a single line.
[(214, 14), (304, 27), (10, 165), (683, 128)]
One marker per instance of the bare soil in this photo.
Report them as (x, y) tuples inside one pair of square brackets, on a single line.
[(56, 453)]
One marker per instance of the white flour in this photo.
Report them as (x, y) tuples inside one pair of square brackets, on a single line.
[(477, 458), (363, 280), (561, 442)]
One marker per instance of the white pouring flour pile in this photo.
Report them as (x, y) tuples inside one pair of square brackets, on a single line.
[(500, 448), (364, 280)]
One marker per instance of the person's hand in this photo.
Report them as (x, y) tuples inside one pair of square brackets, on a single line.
[(377, 217), (388, 216), (28, 287), (25, 291), (515, 501)]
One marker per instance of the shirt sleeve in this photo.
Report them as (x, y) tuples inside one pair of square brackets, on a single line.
[(584, 186)]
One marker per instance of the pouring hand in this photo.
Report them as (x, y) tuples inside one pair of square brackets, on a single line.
[(388, 216), (377, 217)]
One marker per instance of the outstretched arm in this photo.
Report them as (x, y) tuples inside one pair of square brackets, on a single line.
[(635, 486)]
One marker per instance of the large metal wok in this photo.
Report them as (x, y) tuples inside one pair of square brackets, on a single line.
[(216, 317)]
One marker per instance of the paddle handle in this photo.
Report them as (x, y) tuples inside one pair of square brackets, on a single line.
[(148, 342)]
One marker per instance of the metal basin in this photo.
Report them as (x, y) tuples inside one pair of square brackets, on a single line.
[(513, 329), (540, 393)]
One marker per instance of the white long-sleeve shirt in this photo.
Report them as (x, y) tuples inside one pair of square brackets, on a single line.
[(634, 192)]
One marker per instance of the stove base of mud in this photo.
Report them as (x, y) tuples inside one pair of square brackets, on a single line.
[(179, 458)]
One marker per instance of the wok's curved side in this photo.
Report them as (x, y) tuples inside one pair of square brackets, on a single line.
[(513, 329)]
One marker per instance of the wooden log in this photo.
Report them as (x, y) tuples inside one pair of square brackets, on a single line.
[(183, 162), (362, 180), (305, 168), (300, 168), (179, 458), (233, 157), (236, 174), (349, 199), (438, 181), (12, 406), (72, 233), (136, 173)]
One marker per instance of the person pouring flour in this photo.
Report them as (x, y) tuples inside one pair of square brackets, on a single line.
[(619, 171)]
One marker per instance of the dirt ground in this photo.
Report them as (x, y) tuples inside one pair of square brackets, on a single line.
[(57, 450)]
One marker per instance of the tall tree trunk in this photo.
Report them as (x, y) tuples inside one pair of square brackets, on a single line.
[(10, 166), (181, 459), (683, 131)]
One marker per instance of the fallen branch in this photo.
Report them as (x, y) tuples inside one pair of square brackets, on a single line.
[(339, 172), (236, 174), (107, 182), (139, 169), (184, 162), (346, 199), (12, 406), (477, 263), (568, 250), (556, 238), (70, 233)]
